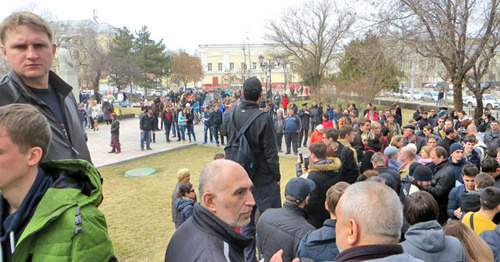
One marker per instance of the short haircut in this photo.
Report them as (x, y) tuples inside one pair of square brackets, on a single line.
[(440, 152), (332, 133), (252, 92), (378, 158), (185, 188), (364, 201), (325, 115), (429, 127), (219, 156), (494, 121), (470, 170), (420, 207), (26, 126), (396, 139), (31, 20), (183, 173), (344, 131), (484, 180), (489, 165), (333, 195), (363, 120), (408, 151), (490, 198), (318, 149), (426, 149), (367, 174)]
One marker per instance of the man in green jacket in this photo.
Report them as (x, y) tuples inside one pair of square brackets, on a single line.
[(48, 212)]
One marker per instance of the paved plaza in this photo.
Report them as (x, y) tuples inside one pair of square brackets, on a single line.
[(98, 143)]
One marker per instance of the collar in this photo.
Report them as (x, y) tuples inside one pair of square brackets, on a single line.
[(362, 253)]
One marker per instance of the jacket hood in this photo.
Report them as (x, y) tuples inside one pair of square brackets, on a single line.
[(427, 236), (181, 203), (333, 166)]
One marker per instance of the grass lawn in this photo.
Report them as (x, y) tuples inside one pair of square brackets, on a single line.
[(138, 209)]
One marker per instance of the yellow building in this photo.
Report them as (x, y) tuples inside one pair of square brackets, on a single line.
[(227, 65)]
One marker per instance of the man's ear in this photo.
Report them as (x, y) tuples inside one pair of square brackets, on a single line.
[(353, 232), (4, 53), (34, 156), (326, 207), (209, 201)]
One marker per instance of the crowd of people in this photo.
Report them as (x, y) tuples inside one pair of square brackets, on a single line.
[(372, 188)]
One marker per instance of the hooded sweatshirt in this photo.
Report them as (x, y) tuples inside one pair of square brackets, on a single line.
[(427, 241), (184, 207)]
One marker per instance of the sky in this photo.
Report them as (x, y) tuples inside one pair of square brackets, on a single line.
[(181, 24)]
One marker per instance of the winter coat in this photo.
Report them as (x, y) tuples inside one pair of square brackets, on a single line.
[(324, 173), (292, 125), (205, 237), (427, 241), (371, 148), (349, 170), (315, 114), (279, 124), (184, 208), (492, 141), (216, 117), (378, 253), (67, 225), (107, 109), (443, 181), (262, 139), (282, 228), (457, 168), (304, 119), (167, 117), (492, 238), (115, 127), (176, 194), (68, 143), (146, 123), (319, 245)]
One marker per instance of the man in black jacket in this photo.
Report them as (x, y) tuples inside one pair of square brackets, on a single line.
[(304, 120), (262, 140), (30, 81), (216, 120), (282, 228), (146, 124), (443, 181), (349, 170), (226, 203), (315, 113)]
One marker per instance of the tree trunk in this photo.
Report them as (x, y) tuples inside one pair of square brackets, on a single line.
[(457, 95), (95, 83), (478, 111)]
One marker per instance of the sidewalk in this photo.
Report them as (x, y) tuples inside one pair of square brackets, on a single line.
[(98, 143)]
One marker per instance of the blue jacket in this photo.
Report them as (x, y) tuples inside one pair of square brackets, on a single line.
[(393, 164), (492, 238), (454, 199), (184, 207), (457, 168), (292, 124), (320, 244)]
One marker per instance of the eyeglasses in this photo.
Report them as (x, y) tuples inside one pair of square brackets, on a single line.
[(192, 190)]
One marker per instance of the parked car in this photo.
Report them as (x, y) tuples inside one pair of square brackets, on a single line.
[(431, 96), (489, 101), (416, 94)]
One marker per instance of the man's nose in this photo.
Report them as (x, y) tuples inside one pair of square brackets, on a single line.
[(31, 53)]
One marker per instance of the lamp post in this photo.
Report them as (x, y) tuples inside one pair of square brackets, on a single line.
[(268, 66)]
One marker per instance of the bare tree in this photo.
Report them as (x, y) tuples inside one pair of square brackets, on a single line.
[(186, 68), (93, 56), (310, 34), (231, 77), (454, 31), (474, 81)]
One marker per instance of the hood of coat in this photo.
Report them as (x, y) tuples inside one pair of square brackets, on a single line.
[(332, 165), (427, 236), (181, 203)]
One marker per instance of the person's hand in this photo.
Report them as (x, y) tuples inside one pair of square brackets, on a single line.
[(142, 131), (458, 212), (277, 257)]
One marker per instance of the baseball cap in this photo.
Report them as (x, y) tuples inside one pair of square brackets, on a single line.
[(299, 188)]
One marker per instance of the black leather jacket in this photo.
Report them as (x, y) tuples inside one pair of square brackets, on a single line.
[(66, 143), (204, 237)]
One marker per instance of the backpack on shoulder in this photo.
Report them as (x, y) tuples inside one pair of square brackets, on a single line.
[(238, 149)]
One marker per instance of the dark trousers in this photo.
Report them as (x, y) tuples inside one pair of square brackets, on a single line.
[(267, 196), (174, 128), (313, 126), (115, 143), (303, 133), (291, 138), (190, 130), (279, 139), (167, 131), (207, 129), (218, 132)]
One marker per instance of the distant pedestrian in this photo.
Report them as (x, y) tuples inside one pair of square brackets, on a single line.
[(184, 205), (115, 134)]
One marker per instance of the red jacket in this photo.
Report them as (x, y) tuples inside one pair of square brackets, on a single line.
[(285, 102)]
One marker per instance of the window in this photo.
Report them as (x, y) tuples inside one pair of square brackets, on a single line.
[(243, 66), (209, 67), (231, 66), (254, 65), (219, 67)]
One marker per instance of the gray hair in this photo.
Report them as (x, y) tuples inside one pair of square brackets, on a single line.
[(378, 158), (410, 151), (209, 175), (376, 209)]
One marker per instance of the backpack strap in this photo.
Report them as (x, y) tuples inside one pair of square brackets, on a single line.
[(471, 221), (247, 123)]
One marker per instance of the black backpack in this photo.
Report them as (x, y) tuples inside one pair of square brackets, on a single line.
[(238, 148)]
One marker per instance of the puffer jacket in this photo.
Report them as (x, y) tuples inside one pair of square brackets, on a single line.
[(325, 174), (205, 237), (492, 238), (184, 207), (427, 241), (320, 244), (66, 143), (282, 228), (262, 139), (67, 226)]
